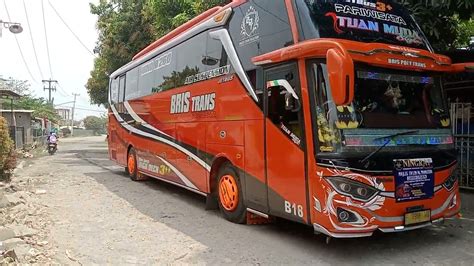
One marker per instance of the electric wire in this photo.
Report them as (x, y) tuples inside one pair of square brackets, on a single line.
[(32, 40), (69, 28), (86, 109), (62, 91), (19, 47), (46, 38)]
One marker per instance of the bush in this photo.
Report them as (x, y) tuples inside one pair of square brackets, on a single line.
[(66, 132), (7, 152)]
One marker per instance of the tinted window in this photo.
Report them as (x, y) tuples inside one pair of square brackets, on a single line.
[(121, 93), (190, 56), (114, 91), (215, 54), (151, 72), (132, 84), (258, 27), (197, 59)]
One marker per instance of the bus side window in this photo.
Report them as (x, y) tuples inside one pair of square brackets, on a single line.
[(286, 120), (215, 54), (121, 92), (131, 83), (113, 96)]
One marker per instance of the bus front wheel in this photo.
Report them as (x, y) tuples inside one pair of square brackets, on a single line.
[(230, 195)]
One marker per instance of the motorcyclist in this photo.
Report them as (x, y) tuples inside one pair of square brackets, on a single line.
[(52, 137)]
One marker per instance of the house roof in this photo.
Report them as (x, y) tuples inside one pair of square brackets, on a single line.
[(9, 93), (17, 111)]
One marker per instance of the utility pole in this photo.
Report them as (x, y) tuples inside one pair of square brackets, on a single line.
[(73, 110), (50, 88)]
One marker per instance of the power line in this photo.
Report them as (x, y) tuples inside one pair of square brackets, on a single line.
[(31, 38), (69, 28), (85, 109), (46, 38), (62, 91), (19, 47)]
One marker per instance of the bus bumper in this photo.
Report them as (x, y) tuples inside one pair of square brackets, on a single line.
[(438, 216), (318, 229)]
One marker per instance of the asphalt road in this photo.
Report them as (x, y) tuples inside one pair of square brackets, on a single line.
[(175, 218)]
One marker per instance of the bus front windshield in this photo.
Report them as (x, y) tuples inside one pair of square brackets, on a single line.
[(382, 21), (385, 102)]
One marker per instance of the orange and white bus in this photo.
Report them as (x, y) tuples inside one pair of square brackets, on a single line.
[(327, 113)]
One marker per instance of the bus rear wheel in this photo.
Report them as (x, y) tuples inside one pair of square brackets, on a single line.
[(132, 168), (230, 195)]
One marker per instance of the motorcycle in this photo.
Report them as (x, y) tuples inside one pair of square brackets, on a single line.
[(52, 145)]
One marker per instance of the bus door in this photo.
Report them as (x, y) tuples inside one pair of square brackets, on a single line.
[(284, 143)]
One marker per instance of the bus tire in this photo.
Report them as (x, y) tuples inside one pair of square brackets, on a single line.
[(230, 195), (132, 168)]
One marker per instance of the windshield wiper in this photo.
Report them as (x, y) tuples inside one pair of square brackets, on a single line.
[(389, 138)]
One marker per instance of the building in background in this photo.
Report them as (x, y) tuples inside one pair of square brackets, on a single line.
[(23, 130), (65, 114), (460, 92)]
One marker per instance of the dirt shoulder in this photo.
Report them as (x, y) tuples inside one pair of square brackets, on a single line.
[(77, 207)]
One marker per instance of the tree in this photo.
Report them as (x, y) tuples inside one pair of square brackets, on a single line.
[(123, 31), (40, 106), (127, 26), (22, 87), (7, 153), (441, 20), (96, 124)]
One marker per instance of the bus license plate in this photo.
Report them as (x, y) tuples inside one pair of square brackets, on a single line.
[(417, 217)]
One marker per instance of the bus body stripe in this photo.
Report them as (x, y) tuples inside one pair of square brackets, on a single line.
[(137, 118), (160, 139), (181, 176)]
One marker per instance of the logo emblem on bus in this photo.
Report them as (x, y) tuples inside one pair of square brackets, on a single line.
[(250, 23)]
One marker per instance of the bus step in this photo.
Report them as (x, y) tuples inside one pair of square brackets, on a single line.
[(254, 219)]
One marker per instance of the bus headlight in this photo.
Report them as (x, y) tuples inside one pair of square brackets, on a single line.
[(351, 188), (450, 182)]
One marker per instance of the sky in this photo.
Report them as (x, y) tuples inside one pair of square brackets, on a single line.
[(71, 62)]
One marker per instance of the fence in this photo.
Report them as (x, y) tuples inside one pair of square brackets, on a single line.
[(463, 131), (39, 137)]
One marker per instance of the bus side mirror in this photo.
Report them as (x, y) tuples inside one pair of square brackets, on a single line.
[(341, 77)]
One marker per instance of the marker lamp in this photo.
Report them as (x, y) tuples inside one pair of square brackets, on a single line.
[(450, 182), (351, 188)]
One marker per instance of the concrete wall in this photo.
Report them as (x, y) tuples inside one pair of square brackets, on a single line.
[(22, 120)]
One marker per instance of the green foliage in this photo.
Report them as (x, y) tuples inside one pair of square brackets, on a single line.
[(40, 106), (7, 153), (127, 26), (170, 14), (441, 20), (466, 31), (96, 124), (123, 31)]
